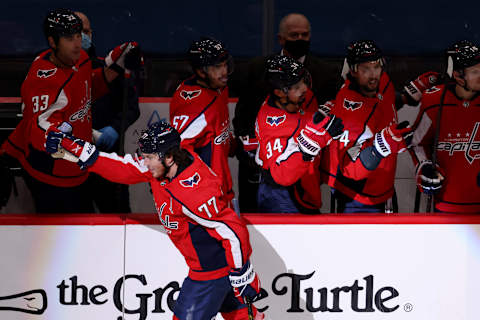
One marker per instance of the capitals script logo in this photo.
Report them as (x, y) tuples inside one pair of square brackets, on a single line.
[(275, 120), (469, 144), (189, 95), (46, 73), (351, 105), (190, 182)]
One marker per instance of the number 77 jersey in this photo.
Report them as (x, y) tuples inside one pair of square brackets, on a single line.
[(194, 211)]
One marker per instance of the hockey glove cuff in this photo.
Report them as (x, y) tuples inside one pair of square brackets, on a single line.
[(245, 283), (393, 139)]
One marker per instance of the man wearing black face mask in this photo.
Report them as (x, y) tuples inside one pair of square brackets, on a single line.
[(294, 35)]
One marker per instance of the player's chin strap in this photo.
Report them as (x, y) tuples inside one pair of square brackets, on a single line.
[(167, 167), (286, 103)]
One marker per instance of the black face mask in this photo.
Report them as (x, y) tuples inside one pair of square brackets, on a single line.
[(297, 48)]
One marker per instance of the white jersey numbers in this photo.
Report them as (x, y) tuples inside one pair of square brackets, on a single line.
[(180, 121), (277, 146), (40, 103), (212, 204), (344, 138)]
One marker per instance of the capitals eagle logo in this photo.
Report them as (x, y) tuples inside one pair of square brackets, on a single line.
[(192, 181), (189, 95), (275, 120), (46, 73), (351, 105)]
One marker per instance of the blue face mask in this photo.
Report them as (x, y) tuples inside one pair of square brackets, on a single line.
[(86, 41)]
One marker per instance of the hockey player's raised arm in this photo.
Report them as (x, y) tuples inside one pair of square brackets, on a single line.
[(117, 169)]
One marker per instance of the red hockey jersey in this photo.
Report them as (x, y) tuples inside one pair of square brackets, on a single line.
[(362, 117), (50, 96), (458, 151), (277, 131), (201, 117), (193, 210)]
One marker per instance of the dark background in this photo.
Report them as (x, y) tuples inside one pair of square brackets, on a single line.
[(413, 34)]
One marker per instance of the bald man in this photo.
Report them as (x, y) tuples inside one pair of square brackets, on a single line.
[(294, 36), (86, 33), (294, 33)]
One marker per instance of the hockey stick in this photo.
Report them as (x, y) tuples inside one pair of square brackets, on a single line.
[(431, 198), (125, 84), (249, 308)]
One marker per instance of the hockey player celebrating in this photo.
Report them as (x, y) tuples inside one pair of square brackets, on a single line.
[(59, 88), (291, 133), (199, 108), (360, 165), (193, 209), (447, 135)]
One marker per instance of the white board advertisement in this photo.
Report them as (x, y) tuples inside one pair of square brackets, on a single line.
[(310, 271)]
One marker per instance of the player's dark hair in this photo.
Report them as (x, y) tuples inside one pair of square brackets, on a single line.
[(181, 157)]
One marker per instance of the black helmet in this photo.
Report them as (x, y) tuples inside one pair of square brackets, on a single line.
[(160, 137), (282, 72), (61, 22), (208, 52), (461, 55), (363, 51)]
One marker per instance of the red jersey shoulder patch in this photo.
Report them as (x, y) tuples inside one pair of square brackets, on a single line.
[(275, 120), (189, 95), (191, 181), (46, 73), (352, 105)]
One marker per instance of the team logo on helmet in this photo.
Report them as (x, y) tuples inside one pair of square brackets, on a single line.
[(189, 95), (46, 73), (192, 181), (275, 120), (351, 105)]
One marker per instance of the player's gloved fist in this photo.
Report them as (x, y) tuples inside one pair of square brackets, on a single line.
[(85, 152), (55, 136), (245, 283), (326, 107), (318, 133), (54, 139), (107, 139), (393, 139), (429, 179), (415, 88), (125, 56)]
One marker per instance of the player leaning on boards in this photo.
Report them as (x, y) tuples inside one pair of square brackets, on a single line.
[(212, 238), (59, 88), (360, 165), (199, 108), (291, 133), (447, 137)]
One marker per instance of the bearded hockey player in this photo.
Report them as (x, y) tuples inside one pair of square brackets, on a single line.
[(193, 209), (199, 108), (360, 165), (447, 134), (59, 88), (291, 132)]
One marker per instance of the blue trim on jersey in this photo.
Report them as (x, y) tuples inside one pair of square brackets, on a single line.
[(209, 250), (205, 153), (226, 225)]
